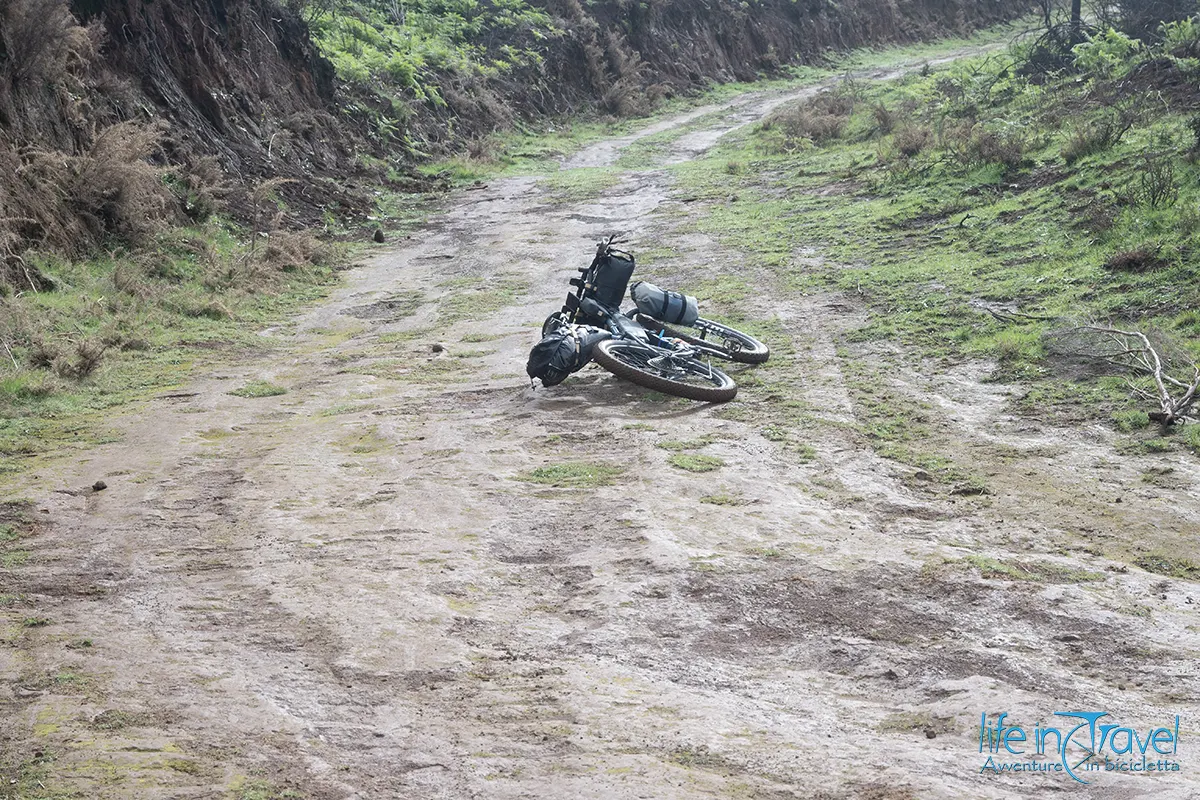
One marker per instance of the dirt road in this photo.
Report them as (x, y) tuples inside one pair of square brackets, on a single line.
[(357, 590)]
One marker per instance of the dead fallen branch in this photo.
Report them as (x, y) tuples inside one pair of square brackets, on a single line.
[(1132, 351)]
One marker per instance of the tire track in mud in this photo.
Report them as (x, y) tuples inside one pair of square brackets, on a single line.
[(350, 589)]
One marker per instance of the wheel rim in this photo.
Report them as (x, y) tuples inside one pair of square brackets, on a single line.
[(662, 365)]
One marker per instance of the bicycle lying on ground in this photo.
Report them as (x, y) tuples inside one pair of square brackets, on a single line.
[(646, 344)]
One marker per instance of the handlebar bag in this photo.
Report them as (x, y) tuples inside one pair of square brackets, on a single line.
[(562, 352), (673, 308)]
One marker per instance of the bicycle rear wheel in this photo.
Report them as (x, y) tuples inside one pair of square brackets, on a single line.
[(658, 370)]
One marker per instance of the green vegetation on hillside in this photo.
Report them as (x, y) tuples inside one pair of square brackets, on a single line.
[(985, 209), (406, 51)]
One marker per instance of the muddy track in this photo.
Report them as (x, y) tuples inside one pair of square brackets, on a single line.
[(352, 591)]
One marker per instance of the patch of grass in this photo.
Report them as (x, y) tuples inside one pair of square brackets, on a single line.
[(259, 389), (35, 622), (11, 559), (804, 452), (1170, 565), (475, 298), (574, 475), (1191, 437), (690, 462), (244, 788), (365, 441), (1030, 571), (579, 185), (114, 719), (723, 500), (31, 779), (1130, 421), (916, 721), (346, 408)]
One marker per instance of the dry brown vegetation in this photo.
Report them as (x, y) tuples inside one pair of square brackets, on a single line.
[(819, 120)]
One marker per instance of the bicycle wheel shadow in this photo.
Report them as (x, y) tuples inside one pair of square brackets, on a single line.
[(601, 394)]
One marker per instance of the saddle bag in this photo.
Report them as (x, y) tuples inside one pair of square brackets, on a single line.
[(673, 308)]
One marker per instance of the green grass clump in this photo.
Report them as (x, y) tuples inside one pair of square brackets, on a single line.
[(690, 462), (259, 389), (1030, 571), (1166, 564), (722, 500), (574, 475), (244, 788), (11, 559), (1191, 437), (475, 298), (578, 185), (1130, 421)]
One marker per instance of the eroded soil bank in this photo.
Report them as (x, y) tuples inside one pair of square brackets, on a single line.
[(360, 588)]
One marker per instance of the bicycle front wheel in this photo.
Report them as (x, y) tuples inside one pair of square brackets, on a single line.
[(658, 370)]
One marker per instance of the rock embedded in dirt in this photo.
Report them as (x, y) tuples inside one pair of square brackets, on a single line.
[(438, 347), (379, 237), (99, 486)]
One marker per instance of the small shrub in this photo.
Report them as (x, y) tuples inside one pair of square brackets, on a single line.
[(87, 357), (885, 118), (820, 120), (1181, 38), (1158, 186), (1108, 54), (1140, 259), (1094, 137), (910, 140), (974, 145), (993, 147)]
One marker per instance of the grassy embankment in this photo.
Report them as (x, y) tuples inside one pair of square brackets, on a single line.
[(977, 212)]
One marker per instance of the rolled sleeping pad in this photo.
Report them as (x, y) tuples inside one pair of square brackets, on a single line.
[(664, 305)]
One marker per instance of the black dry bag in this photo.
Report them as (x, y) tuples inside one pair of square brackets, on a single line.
[(612, 279), (562, 352)]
